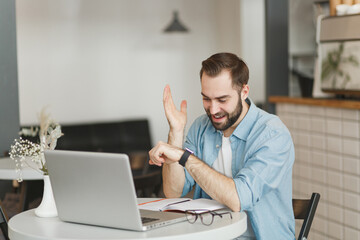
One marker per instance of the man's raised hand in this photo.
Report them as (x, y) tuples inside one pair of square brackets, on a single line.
[(177, 119)]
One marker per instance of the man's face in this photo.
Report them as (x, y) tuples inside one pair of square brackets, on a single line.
[(221, 101)]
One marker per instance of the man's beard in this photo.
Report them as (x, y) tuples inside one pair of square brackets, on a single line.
[(231, 117)]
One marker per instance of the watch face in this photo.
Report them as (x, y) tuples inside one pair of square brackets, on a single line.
[(189, 150)]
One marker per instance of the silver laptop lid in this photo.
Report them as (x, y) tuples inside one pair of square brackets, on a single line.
[(94, 188)]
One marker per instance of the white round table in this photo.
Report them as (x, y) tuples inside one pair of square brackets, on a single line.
[(7, 171), (26, 226)]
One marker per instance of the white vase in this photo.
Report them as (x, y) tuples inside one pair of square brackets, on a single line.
[(47, 207)]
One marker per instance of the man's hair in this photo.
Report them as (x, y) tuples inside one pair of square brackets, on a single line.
[(216, 63)]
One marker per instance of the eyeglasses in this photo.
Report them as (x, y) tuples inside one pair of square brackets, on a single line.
[(207, 217)]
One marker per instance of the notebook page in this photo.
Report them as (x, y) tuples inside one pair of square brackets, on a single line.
[(199, 205), (161, 204)]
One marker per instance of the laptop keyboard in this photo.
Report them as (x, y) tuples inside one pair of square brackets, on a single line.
[(147, 220)]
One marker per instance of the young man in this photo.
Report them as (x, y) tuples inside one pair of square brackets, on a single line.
[(236, 154)]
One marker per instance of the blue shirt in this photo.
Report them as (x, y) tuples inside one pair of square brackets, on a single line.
[(262, 160)]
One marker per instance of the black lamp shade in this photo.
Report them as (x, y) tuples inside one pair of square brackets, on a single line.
[(175, 25)]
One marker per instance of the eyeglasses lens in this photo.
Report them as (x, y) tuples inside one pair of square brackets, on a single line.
[(191, 217), (207, 218)]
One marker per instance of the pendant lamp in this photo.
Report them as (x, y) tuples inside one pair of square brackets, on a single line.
[(175, 25)]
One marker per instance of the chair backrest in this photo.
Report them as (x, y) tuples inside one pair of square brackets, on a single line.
[(148, 184), (305, 209), (3, 224), (114, 137)]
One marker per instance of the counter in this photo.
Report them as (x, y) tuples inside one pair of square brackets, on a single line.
[(325, 102), (326, 135)]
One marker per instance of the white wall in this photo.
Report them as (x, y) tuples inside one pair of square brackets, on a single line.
[(95, 60), (301, 27), (252, 45)]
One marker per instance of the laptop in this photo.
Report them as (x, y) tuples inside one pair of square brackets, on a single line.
[(98, 189)]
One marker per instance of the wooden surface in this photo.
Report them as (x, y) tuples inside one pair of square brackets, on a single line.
[(334, 103)]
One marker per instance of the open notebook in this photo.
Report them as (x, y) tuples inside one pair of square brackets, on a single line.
[(182, 204)]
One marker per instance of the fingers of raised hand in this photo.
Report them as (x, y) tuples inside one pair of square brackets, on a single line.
[(167, 98), (183, 106), (169, 104)]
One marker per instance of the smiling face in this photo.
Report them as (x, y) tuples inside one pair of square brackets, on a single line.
[(222, 102)]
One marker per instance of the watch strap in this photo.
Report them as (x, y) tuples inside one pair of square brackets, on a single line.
[(185, 157)]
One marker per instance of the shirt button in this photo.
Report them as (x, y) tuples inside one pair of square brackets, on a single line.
[(217, 146)]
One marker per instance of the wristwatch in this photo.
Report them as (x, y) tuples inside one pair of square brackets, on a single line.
[(185, 157)]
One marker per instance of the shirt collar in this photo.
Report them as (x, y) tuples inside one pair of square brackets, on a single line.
[(244, 127)]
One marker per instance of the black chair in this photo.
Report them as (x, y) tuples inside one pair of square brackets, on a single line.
[(305, 209), (114, 137), (3, 224), (149, 184)]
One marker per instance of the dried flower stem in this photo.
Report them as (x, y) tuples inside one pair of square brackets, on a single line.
[(49, 132)]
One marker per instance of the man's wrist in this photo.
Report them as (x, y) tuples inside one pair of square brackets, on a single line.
[(185, 157), (176, 138), (176, 132)]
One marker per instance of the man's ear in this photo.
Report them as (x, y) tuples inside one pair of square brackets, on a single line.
[(245, 91)]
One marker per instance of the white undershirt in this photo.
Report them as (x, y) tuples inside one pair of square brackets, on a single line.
[(223, 165)]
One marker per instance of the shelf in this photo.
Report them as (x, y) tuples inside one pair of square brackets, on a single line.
[(325, 102)]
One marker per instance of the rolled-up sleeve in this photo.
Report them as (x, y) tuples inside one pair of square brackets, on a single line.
[(190, 143), (266, 165)]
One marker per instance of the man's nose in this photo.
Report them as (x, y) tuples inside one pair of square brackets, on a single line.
[(214, 108)]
